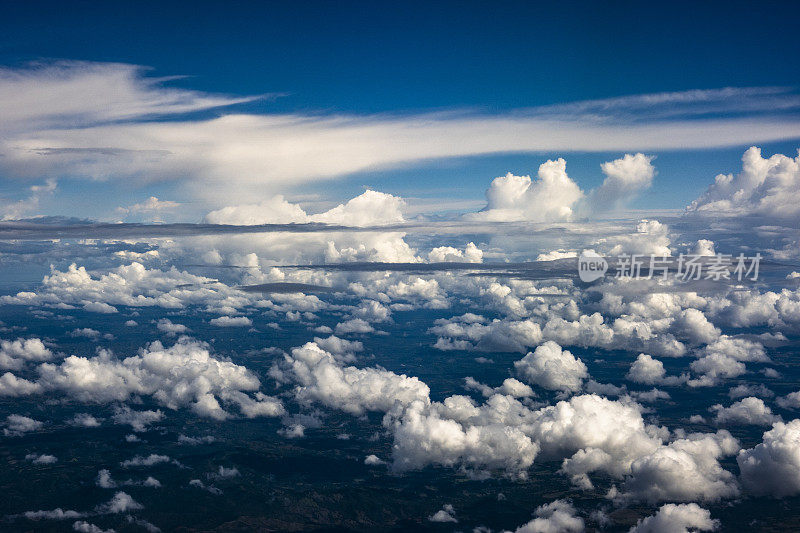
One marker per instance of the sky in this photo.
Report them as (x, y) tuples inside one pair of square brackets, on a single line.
[(452, 266), (382, 64)]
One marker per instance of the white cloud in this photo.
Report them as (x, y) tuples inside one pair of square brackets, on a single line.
[(134, 126), (138, 420), (552, 368), (55, 514), (373, 460), (686, 470), (559, 516), (43, 459), (82, 526), (651, 371), (748, 410), (765, 187), (138, 461), (625, 178), (790, 401), (445, 514), (17, 425), (773, 466), (322, 378), (231, 322), (514, 198), (448, 254), (183, 375), (122, 502), (85, 420), (681, 518), (14, 354), (11, 385)]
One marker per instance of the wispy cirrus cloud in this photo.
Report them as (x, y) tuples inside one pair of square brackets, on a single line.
[(111, 121)]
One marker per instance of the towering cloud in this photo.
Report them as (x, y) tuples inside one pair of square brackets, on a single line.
[(765, 187)]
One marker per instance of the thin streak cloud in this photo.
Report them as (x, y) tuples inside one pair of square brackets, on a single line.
[(136, 128)]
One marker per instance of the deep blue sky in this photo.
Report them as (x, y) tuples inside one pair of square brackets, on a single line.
[(380, 56), (410, 56)]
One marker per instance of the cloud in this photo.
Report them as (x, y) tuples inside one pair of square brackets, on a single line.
[(183, 375), (14, 354), (445, 254), (559, 516), (681, 518), (54, 514), (685, 470), (772, 468), (373, 460), (552, 368), (321, 378), (651, 371), (445, 514), (17, 425), (122, 502), (769, 188), (153, 208), (138, 461), (625, 178), (24, 207), (135, 126), (138, 420), (514, 198), (275, 210), (231, 321), (747, 411), (82, 526), (43, 459), (371, 208), (11, 385)]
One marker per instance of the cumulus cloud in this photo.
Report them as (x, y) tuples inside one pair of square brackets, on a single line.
[(54, 514), (122, 502), (11, 385), (448, 254), (371, 208), (138, 461), (445, 514), (768, 188), (750, 410), (41, 459), (321, 378), (138, 420), (373, 460), (772, 467), (231, 321), (514, 198), (559, 516), (552, 368), (588, 433), (184, 375), (85, 420), (18, 425), (625, 178), (651, 371), (152, 208), (685, 470), (14, 354), (681, 518), (82, 526), (130, 285)]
